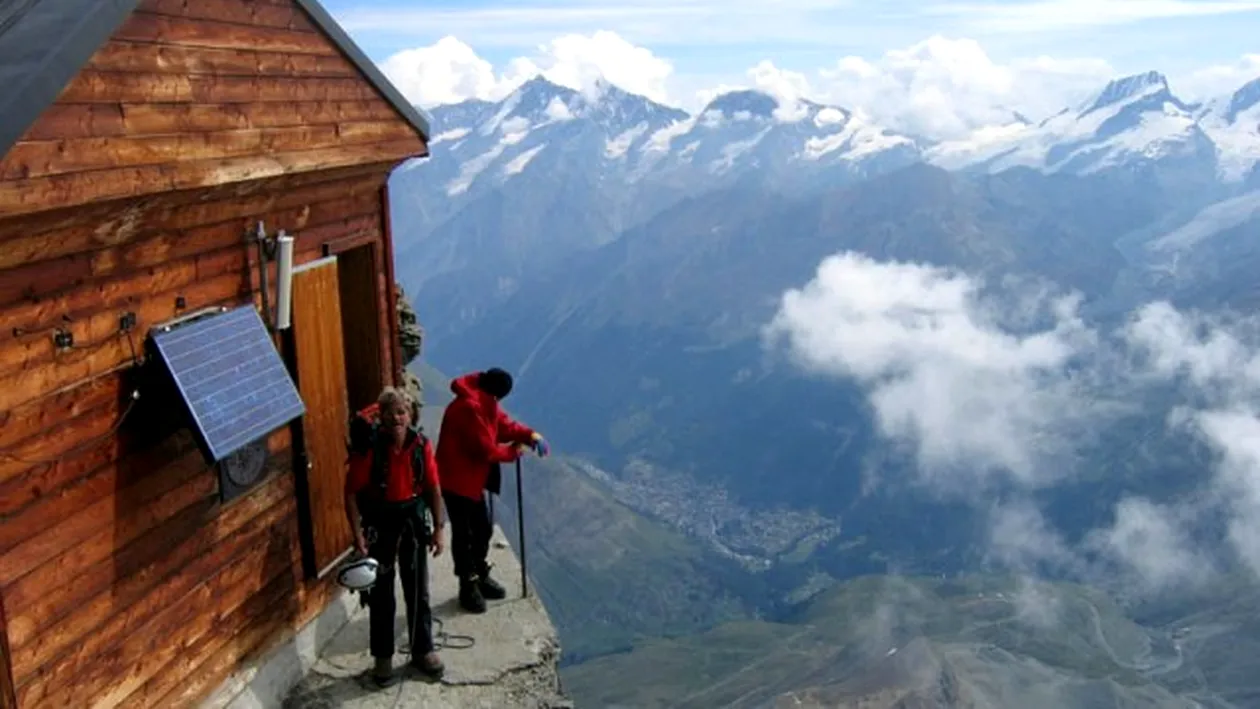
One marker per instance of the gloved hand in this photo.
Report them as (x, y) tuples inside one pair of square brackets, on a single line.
[(540, 446)]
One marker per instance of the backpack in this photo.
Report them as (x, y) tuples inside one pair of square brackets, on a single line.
[(364, 438)]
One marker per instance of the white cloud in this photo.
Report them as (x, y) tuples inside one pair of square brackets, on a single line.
[(447, 71), (1021, 538), (941, 88), (1236, 436), (578, 61), (787, 87), (948, 88), (1152, 545), (1050, 15), (1218, 360), (1219, 80), (450, 71), (993, 407), (975, 399), (558, 110)]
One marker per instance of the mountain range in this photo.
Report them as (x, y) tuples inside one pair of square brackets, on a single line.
[(522, 183), (624, 259), (597, 245)]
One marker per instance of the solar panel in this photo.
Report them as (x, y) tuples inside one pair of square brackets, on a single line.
[(228, 372)]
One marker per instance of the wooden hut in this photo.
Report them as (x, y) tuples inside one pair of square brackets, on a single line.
[(145, 144)]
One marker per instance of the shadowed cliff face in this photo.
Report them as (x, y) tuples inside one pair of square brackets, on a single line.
[(411, 337)]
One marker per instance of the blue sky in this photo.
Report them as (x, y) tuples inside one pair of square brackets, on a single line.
[(701, 44), (710, 35)]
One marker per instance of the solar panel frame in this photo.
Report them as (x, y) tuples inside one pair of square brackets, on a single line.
[(223, 363)]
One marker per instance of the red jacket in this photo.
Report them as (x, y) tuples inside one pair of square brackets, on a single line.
[(400, 478), (475, 435)]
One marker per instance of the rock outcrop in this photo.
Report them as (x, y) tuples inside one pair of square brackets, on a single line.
[(411, 336)]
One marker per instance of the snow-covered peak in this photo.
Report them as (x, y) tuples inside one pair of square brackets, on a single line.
[(619, 110), (1243, 100), (540, 101), (1233, 124), (1134, 119), (1151, 84)]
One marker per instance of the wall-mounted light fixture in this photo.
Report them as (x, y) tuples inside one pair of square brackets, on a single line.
[(280, 248), (284, 274)]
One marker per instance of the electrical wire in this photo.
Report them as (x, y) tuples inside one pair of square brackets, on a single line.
[(63, 454), (113, 429)]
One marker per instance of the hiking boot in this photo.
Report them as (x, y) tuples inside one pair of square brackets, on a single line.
[(470, 598), (383, 672), (430, 664), (491, 590)]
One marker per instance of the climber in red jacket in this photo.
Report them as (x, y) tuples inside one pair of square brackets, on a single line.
[(476, 436)]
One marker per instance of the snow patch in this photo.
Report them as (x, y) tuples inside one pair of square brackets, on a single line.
[(504, 111), (453, 134), (731, 152), (518, 163), (1156, 133), (982, 144), (1154, 137), (514, 130), (471, 169), (1211, 220), (1237, 143), (712, 119), (661, 140), (829, 117), (791, 111), (558, 110), (859, 137), (617, 147)]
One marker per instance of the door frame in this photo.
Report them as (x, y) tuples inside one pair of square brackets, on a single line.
[(358, 270), (387, 320)]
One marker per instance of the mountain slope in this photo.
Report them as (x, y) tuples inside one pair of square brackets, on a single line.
[(677, 307), (1233, 124), (890, 642)]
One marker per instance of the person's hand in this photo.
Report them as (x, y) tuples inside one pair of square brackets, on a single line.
[(360, 542), (539, 444), (437, 543)]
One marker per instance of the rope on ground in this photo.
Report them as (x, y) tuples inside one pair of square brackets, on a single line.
[(443, 640)]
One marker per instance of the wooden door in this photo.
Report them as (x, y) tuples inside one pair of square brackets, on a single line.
[(320, 366)]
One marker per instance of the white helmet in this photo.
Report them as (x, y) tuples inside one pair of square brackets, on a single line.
[(358, 575)]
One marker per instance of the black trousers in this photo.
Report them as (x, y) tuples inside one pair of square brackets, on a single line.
[(470, 533), (397, 538)]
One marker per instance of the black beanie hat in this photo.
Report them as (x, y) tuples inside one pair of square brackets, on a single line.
[(495, 382)]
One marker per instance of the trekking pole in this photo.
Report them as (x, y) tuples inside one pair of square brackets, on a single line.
[(520, 528)]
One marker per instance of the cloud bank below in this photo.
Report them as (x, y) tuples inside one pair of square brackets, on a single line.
[(996, 387)]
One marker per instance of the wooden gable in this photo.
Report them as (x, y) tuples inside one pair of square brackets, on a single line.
[(188, 95)]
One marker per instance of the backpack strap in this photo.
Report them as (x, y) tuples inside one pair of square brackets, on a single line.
[(420, 463), (380, 462)]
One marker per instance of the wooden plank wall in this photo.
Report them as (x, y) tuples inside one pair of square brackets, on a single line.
[(122, 579), (194, 94), (169, 588)]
